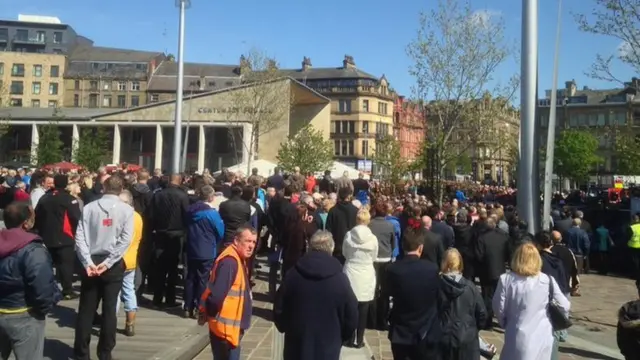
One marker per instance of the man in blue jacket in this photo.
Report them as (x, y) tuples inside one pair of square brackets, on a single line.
[(205, 230), (28, 289)]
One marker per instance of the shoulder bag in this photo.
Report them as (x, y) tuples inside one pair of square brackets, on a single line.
[(559, 320)]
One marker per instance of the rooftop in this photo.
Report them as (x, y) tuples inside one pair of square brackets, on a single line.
[(98, 54), (26, 113)]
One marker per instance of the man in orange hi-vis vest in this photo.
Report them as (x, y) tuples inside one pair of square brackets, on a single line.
[(226, 302)]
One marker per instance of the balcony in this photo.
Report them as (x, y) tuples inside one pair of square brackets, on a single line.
[(35, 40)]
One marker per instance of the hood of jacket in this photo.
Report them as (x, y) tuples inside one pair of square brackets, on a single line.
[(552, 260), (361, 234), (196, 210), (318, 265), (629, 315), (12, 240), (140, 188), (452, 285)]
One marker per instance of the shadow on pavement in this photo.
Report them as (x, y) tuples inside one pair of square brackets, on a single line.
[(266, 314), (64, 316), (56, 349), (584, 353)]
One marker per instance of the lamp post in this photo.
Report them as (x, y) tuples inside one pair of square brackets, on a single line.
[(177, 134)]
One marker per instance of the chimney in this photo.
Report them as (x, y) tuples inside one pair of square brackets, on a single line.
[(306, 63), (348, 62), (571, 87)]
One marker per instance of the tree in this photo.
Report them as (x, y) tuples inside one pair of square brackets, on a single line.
[(388, 160), (49, 146), (618, 19), (5, 120), (625, 149), (308, 150), (92, 148), (464, 163), (574, 154), (455, 54), (264, 103)]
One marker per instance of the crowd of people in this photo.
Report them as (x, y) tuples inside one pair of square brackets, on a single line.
[(347, 256)]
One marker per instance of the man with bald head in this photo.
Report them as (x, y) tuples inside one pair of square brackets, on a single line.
[(433, 248), (568, 261), (168, 210)]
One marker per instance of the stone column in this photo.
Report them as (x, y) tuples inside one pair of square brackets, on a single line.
[(116, 144), (201, 147), (158, 162), (246, 143), (35, 139), (75, 138)]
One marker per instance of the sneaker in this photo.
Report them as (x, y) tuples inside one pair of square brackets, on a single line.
[(71, 296)]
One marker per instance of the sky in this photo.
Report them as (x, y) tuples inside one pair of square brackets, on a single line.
[(374, 32)]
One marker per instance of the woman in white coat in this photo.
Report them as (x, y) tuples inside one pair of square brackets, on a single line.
[(520, 304), (360, 249)]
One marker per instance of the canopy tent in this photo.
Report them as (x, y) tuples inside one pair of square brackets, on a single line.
[(338, 169), (62, 166), (265, 168)]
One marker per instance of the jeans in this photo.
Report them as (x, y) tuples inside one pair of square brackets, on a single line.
[(198, 272), (556, 345), (128, 292), (23, 334), (561, 335), (222, 350)]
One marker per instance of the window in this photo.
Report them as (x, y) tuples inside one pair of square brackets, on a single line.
[(344, 127), (95, 66), (365, 127), (17, 70), (52, 104), (106, 85), (343, 147), (35, 88), (17, 88), (122, 101), (76, 100), (37, 70), (593, 118), (135, 100), (55, 71), (122, 86), (365, 148), (93, 85), (40, 36), (621, 118), (135, 86), (106, 101), (57, 37), (601, 121), (22, 35), (16, 102), (582, 120), (1, 68), (212, 84), (365, 105), (53, 88), (573, 121), (382, 108), (35, 103), (154, 98), (93, 100), (76, 85), (544, 121), (344, 106)]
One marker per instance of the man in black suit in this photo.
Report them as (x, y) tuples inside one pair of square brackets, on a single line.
[(413, 284)]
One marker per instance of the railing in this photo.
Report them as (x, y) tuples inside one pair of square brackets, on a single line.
[(31, 40)]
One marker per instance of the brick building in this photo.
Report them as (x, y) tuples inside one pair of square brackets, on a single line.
[(409, 127)]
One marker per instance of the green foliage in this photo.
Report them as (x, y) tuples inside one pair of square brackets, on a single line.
[(575, 154), (92, 147), (626, 152), (464, 163), (49, 149), (388, 160), (306, 149)]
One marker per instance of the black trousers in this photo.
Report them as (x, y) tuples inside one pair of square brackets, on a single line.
[(363, 311), (488, 287), (413, 352), (198, 272), (635, 261), (103, 288), (168, 250), (379, 308), (64, 260)]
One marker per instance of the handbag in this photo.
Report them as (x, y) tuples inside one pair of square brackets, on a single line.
[(559, 320)]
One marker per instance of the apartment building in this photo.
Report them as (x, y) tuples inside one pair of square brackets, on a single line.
[(361, 107), (600, 111), (99, 77), (409, 127), (38, 34)]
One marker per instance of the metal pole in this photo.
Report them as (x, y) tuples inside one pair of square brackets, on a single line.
[(528, 100), (185, 145), (177, 134), (551, 134)]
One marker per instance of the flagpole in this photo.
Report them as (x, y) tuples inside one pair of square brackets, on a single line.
[(177, 134)]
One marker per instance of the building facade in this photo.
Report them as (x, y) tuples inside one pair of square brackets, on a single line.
[(145, 135), (31, 79), (98, 77), (409, 127), (601, 112), (38, 34)]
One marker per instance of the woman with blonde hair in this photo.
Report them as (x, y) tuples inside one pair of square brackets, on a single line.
[(520, 304), (360, 249), (74, 189), (461, 309)]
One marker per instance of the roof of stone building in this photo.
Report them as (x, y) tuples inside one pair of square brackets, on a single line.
[(170, 68), (85, 70), (98, 53), (26, 113), (328, 73), (212, 77)]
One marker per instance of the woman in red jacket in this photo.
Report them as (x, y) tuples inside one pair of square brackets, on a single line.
[(21, 192)]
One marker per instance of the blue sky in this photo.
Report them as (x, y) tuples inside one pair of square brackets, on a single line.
[(218, 31)]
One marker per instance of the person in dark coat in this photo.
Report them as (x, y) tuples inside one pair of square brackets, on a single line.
[(414, 285), (315, 306), (463, 239), (492, 252), (628, 329), (341, 219), (298, 230), (462, 311)]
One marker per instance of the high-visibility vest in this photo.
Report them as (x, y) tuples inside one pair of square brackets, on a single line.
[(226, 324), (634, 242)]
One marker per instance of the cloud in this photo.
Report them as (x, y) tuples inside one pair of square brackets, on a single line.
[(484, 17)]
